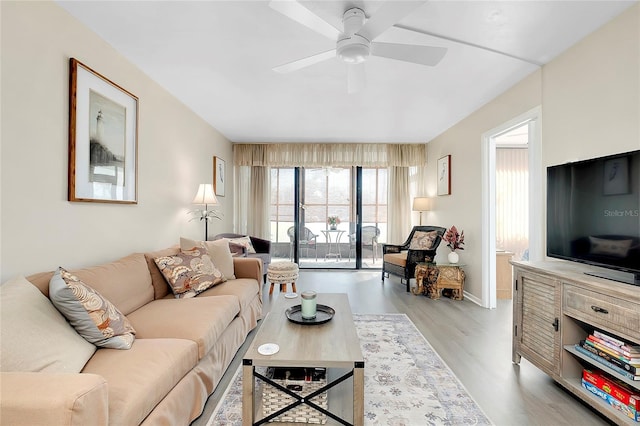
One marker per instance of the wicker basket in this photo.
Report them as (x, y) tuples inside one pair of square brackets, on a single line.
[(274, 400)]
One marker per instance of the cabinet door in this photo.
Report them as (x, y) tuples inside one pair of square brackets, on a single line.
[(536, 333)]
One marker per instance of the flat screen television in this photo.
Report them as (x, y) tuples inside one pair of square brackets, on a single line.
[(593, 214)]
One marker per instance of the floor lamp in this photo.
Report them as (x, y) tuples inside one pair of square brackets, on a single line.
[(421, 204), (206, 196)]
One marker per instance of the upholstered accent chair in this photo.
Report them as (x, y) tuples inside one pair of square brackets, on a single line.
[(307, 241), (420, 247), (261, 246)]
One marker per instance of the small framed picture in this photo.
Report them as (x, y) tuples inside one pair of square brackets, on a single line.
[(219, 176), (616, 176), (444, 175), (103, 139)]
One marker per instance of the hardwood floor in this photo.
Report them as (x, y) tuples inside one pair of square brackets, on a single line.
[(474, 342)]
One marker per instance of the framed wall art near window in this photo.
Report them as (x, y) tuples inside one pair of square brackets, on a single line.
[(103, 139), (219, 176), (444, 175)]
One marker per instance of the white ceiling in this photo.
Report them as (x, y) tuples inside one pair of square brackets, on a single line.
[(217, 58)]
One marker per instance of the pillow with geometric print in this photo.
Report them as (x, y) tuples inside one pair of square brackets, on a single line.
[(94, 317), (189, 273)]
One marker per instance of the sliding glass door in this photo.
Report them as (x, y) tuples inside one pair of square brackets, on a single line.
[(316, 212)]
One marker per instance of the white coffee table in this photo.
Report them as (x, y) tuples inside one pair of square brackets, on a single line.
[(334, 344)]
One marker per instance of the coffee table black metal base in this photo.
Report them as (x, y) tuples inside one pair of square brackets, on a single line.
[(303, 399)]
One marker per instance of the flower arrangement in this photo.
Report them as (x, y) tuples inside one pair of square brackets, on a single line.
[(454, 240), (333, 221)]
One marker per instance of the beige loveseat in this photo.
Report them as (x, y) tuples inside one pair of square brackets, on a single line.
[(181, 349)]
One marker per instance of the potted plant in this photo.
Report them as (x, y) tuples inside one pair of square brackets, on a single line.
[(333, 222), (455, 241)]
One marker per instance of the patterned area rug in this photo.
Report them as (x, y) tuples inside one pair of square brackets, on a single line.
[(406, 381)]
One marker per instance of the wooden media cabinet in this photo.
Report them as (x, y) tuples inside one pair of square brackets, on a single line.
[(555, 306)]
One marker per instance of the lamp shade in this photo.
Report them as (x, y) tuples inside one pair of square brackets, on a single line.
[(205, 195), (421, 204)]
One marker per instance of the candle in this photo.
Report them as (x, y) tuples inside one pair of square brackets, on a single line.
[(308, 304)]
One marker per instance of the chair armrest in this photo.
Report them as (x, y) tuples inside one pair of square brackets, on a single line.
[(248, 267), (389, 248), (261, 245), (53, 399)]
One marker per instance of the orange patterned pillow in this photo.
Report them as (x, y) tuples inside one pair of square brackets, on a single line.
[(94, 317), (189, 273)]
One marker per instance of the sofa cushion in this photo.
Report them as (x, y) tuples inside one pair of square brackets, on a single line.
[(244, 289), (35, 336), (125, 282), (160, 286), (138, 379), (200, 319), (218, 251), (189, 273), (94, 317)]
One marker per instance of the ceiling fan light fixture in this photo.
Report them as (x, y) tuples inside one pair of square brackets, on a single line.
[(354, 49)]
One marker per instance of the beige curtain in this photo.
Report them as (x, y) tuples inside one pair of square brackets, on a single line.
[(252, 163), (252, 190), (322, 155), (399, 212), (512, 200), (242, 195)]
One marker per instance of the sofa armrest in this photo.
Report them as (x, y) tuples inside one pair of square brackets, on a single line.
[(248, 267), (54, 399)]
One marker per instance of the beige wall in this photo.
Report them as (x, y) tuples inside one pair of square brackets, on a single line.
[(40, 228), (590, 98)]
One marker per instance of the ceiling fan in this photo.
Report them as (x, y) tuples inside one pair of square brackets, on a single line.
[(356, 42)]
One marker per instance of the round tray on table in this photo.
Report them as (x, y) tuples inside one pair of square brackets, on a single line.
[(324, 314)]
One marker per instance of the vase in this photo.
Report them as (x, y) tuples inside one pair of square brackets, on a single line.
[(453, 257), (333, 227)]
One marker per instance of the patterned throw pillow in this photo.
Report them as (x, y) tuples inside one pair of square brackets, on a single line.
[(94, 317), (244, 242), (423, 240), (189, 273), (218, 250)]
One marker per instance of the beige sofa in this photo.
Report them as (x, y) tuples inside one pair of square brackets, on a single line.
[(181, 350)]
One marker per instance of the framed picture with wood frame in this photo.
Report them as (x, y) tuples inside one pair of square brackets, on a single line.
[(219, 176), (444, 175), (103, 139)]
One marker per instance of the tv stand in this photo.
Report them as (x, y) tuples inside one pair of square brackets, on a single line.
[(556, 304)]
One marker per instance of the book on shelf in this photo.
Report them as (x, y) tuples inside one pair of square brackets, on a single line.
[(616, 349), (625, 346), (594, 356), (611, 356)]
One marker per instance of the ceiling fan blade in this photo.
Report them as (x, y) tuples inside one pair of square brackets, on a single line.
[(387, 15), (305, 62), (294, 10), (424, 55), (356, 78)]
